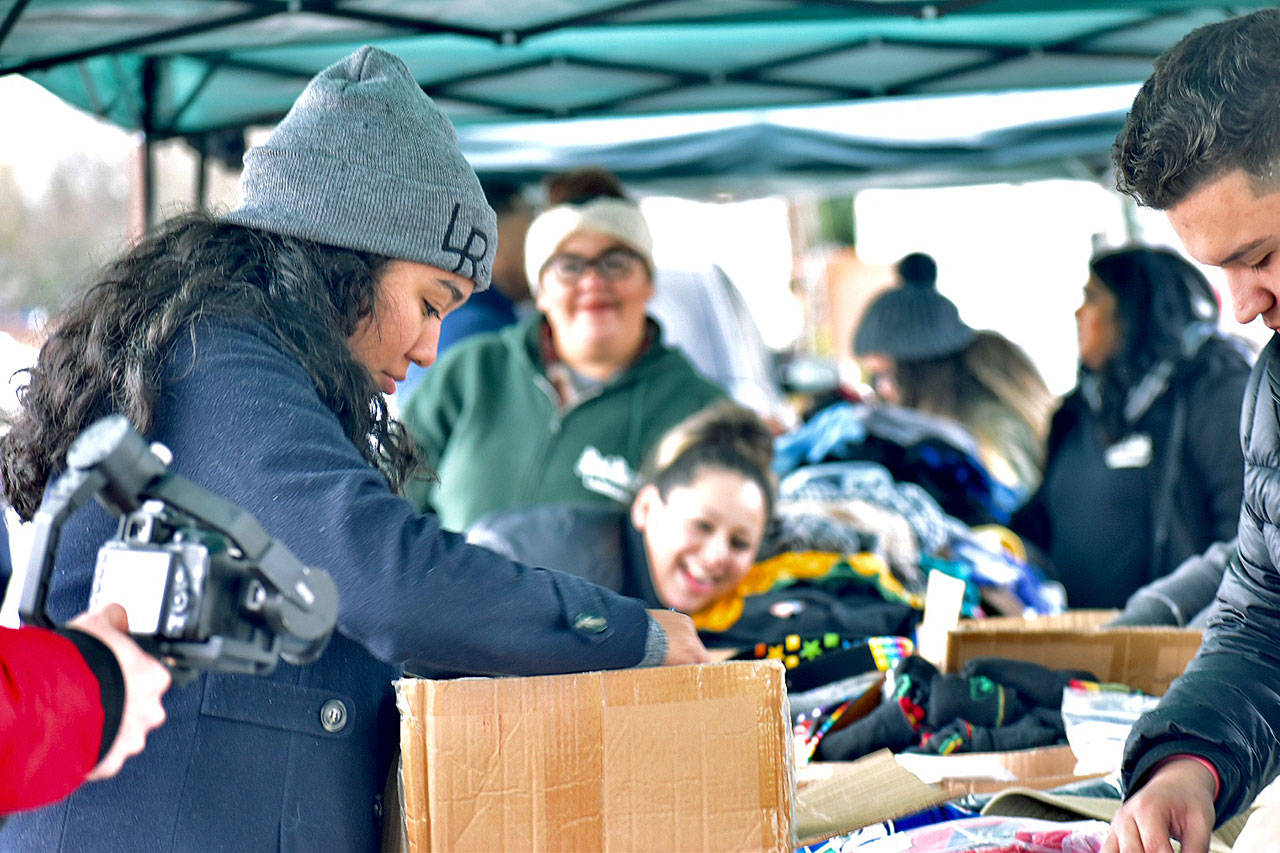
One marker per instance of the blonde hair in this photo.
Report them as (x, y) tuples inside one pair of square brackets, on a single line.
[(1004, 368)]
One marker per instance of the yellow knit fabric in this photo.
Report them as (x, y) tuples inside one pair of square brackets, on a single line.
[(724, 612), (996, 536)]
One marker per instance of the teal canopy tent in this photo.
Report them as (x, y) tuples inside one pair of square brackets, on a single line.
[(504, 71)]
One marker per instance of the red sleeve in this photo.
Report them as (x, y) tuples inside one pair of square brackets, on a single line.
[(50, 718)]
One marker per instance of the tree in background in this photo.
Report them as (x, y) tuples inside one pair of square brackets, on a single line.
[(50, 244)]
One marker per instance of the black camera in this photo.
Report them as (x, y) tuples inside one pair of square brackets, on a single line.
[(203, 584)]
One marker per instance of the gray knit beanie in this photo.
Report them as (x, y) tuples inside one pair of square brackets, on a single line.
[(913, 321), (364, 160)]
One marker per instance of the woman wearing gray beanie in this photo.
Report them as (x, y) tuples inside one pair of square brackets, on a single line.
[(919, 354), (257, 347)]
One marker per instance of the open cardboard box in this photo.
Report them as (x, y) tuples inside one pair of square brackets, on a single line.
[(988, 772), (700, 757), (835, 797), (1147, 659), (671, 758), (1144, 658)]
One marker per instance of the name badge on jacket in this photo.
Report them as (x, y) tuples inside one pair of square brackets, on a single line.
[(1132, 451)]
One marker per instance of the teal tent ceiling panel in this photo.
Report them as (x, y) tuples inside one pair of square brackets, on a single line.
[(879, 67), (1153, 35), (560, 87), (1040, 71), (656, 89), (187, 67), (720, 96)]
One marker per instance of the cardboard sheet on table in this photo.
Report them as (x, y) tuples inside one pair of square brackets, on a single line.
[(841, 796)]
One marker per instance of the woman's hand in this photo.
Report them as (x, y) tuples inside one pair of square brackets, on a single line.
[(683, 645), (145, 681)]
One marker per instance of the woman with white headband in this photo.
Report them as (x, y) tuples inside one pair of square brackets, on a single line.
[(565, 405)]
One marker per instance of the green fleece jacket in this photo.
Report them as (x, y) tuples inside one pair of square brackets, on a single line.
[(487, 419)]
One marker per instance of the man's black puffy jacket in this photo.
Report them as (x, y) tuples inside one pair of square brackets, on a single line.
[(1226, 708)]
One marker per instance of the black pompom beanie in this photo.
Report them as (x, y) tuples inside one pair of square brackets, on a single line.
[(913, 321)]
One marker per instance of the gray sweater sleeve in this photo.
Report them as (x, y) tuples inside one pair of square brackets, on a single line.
[(1181, 596)]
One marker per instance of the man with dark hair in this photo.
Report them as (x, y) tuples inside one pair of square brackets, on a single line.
[(1202, 143)]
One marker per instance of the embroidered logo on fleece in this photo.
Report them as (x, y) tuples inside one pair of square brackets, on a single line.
[(610, 476)]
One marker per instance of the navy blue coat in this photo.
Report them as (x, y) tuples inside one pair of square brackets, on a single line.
[(244, 763)]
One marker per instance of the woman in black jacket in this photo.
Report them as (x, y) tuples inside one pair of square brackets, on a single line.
[(1144, 467)]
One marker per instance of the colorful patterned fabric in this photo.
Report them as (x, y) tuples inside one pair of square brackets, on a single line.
[(798, 566)]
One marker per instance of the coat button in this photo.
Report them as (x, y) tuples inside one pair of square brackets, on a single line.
[(590, 622), (333, 715)]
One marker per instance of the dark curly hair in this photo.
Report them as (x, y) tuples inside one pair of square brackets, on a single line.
[(1209, 107), (1165, 311), (106, 347)]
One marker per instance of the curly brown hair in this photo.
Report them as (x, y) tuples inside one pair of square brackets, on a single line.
[(105, 352), (1209, 107)]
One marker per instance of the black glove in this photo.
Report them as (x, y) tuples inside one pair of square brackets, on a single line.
[(977, 699)]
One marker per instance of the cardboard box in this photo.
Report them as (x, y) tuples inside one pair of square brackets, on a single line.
[(835, 797), (1145, 658), (987, 772), (1148, 659), (671, 758)]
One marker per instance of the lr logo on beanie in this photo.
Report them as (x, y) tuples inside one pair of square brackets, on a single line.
[(466, 251)]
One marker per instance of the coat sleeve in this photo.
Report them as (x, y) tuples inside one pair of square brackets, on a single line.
[(1226, 707), (244, 420), (1212, 431), (51, 718), (1180, 596)]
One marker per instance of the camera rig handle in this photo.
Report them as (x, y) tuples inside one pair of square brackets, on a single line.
[(111, 461)]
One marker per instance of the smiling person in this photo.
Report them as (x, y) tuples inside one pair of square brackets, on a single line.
[(258, 346), (691, 534), (564, 405), (1202, 143)]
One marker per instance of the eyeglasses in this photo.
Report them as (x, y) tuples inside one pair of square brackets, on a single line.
[(613, 265)]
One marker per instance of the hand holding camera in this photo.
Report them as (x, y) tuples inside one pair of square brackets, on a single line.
[(145, 681), (203, 585)]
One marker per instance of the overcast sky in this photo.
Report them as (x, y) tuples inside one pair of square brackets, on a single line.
[(50, 131)]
